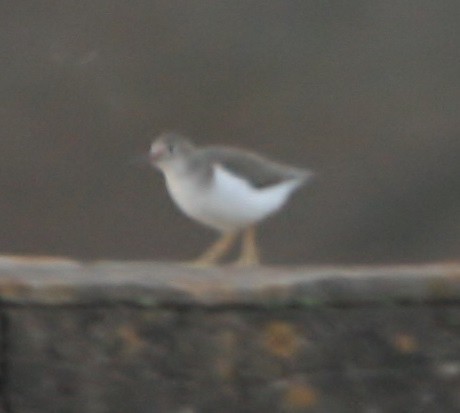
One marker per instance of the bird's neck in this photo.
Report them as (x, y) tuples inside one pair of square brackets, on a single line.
[(179, 168)]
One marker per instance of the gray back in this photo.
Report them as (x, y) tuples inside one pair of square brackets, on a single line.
[(260, 172)]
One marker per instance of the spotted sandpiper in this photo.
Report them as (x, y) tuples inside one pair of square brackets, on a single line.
[(227, 189)]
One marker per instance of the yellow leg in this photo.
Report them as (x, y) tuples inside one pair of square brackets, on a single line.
[(249, 251), (216, 251)]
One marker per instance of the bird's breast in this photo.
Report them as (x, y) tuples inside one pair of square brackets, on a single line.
[(228, 202)]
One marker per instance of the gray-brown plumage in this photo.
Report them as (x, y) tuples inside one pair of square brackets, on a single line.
[(258, 171)]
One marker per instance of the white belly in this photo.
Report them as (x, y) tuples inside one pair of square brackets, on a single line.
[(231, 203)]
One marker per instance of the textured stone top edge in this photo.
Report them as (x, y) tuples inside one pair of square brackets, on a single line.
[(60, 281)]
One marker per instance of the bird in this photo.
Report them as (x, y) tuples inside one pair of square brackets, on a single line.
[(230, 190)]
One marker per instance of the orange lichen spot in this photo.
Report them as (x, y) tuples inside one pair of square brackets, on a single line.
[(225, 368), (133, 342), (300, 396), (405, 343), (12, 289), (281, 339)]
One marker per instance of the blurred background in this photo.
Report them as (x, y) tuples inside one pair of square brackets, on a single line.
[(366, 93)]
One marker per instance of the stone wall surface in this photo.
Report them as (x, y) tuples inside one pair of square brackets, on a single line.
[(158, 337)]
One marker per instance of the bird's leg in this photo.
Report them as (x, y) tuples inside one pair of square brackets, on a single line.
[(216, 250), (249, 251)]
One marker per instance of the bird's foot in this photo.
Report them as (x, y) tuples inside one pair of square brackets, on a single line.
[(214, 253)]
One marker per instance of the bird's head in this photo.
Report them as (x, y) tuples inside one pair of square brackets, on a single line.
[(169, 150)]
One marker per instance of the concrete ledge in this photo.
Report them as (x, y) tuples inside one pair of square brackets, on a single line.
[(156, 337), (59, 281)]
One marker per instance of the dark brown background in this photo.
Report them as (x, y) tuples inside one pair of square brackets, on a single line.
[(366, 93)]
